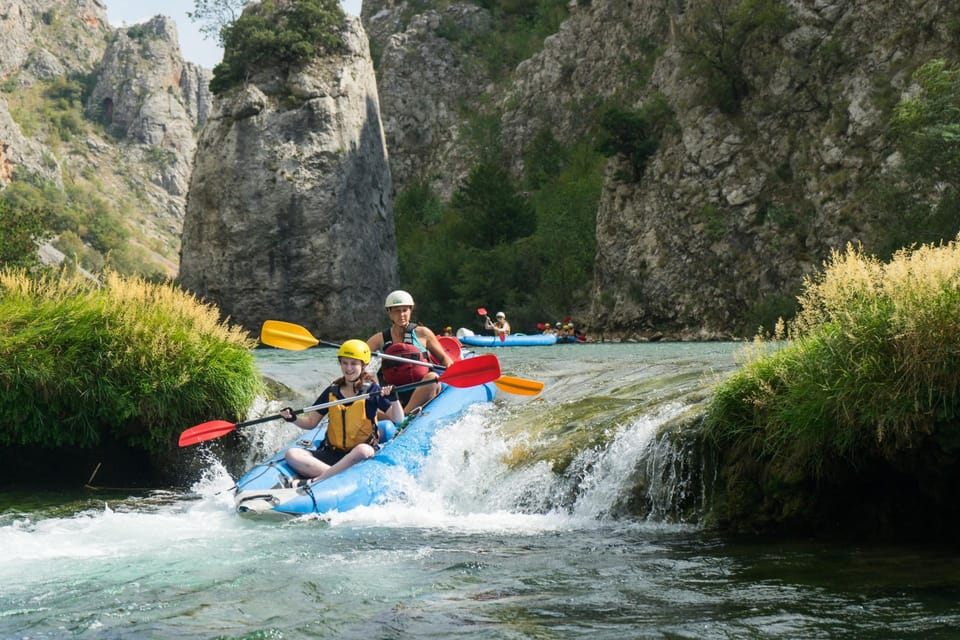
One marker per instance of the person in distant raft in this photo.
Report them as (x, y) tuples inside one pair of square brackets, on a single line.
[(353, 434), (409, 340), (501, 327)]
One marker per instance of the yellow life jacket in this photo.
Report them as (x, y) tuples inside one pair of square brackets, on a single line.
[(348, 424)]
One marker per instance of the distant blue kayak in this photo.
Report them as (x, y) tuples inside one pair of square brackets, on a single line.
[(512, 340), (264, 490)]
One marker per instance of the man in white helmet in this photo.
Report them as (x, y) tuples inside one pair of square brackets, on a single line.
[(408, 340)]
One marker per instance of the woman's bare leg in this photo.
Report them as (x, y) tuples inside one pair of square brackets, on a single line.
[(359, 453), (304, 463), (422, 395)]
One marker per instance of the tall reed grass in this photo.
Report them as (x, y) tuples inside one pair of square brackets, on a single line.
[(869, 371), (128, 358)]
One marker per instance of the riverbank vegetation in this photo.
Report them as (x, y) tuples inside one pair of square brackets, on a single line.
[(855, 418), (125, 360)]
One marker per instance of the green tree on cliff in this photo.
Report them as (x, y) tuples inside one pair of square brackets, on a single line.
[(919, 200), (277, 34)]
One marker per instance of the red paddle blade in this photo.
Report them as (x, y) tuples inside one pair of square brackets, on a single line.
[(206, 431), (472, 371), (503, 337), (482, 311), (452, 346)]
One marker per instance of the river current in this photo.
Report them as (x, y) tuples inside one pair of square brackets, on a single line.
[(480, 547)]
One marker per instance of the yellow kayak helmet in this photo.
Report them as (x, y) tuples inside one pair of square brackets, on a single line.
[(356, 349)]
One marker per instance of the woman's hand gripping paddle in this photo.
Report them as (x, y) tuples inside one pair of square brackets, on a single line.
[(465, 373), (286, 335)]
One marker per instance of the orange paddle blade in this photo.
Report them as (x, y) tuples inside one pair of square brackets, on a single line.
[(519, 386)]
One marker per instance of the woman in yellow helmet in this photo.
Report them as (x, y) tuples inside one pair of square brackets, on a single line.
[(352, 431)]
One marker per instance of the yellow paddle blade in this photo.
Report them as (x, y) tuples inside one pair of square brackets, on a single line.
[(519, 386), (286, 335)]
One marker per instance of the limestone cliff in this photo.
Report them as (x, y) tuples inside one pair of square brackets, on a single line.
[(44, 39), (159, 109), (41, 40), (125, 152), (736, 206), (288, 213), (424, 79)]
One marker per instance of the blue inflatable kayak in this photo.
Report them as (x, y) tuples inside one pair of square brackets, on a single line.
[(264, 490), (512, 340)]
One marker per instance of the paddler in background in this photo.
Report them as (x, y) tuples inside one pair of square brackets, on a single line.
[(500, 327)]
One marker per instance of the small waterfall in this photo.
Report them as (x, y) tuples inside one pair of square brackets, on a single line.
[(640, 471), (612, 436)]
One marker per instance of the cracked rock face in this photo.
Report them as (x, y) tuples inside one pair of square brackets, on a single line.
[(147, 94), (288, 214)]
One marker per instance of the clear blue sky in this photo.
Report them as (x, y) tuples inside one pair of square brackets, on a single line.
[(195, 49)]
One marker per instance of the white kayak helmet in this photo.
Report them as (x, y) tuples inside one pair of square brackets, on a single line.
[(398, 298)]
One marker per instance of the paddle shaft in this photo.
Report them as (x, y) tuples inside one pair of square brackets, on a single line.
[(286, 335), (509, 384), (387, 356), (333, 403), (293, 336), (479, 370), (465, 373)]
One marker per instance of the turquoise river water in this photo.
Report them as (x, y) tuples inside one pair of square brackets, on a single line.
[(479, 548)]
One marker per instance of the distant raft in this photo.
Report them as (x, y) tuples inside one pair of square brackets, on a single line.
[(512, 340), (265, 489)]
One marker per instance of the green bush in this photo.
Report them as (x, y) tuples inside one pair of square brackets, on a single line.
[(128, 360), (715, 42), (566, 239), (853, 423), (927, 124), (491, 245), (635, 134), (871, 369), (277, 34), (21, 230), (90, 217), (520, 27)]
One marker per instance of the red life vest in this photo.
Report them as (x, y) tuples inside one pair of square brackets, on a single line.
[(398, 373), (403, 372)]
